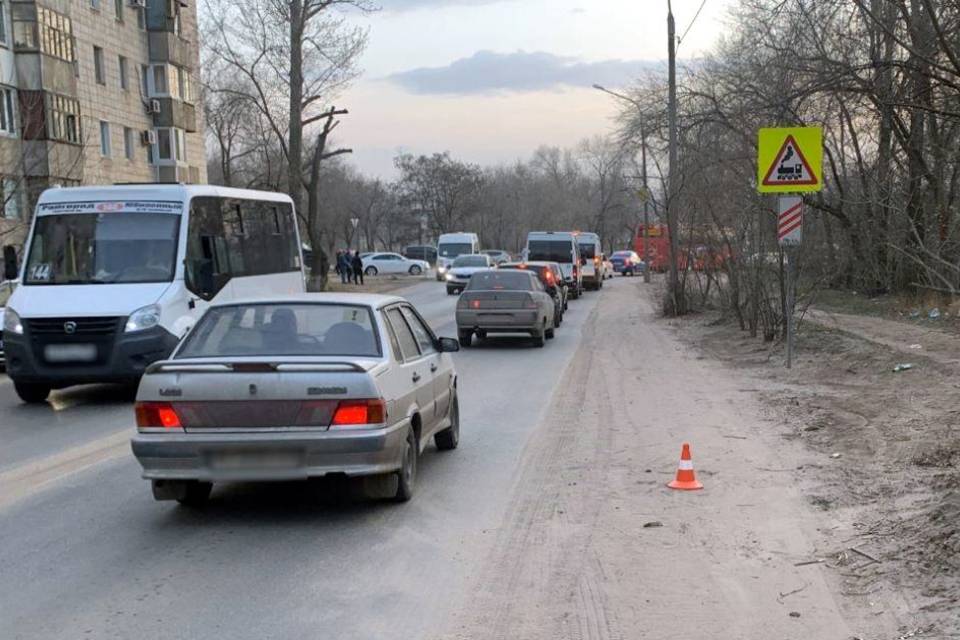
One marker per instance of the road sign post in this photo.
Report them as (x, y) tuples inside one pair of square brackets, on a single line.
[(790, 161)]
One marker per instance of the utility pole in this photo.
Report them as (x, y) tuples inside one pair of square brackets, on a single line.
[(646, 204), (674, 287)]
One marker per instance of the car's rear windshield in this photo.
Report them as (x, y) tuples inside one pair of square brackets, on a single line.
[(471, 261), (588, 250), (289, 329), (505, 280), (536, 269), (622, 254), (550, 250)]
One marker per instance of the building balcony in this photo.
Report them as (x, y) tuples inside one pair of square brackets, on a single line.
[(176, 113)]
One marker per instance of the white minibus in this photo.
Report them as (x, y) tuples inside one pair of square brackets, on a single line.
[(452, 245), (113, 276)]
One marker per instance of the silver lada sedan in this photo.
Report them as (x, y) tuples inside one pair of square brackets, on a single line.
[(297, 387)]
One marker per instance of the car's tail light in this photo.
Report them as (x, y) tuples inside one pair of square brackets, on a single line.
[(628, 262), (157, 415), (529, 303), (352, 413), (474, 304), (596, 261)]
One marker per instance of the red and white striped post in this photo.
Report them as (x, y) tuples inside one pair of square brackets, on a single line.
[(789, 235)]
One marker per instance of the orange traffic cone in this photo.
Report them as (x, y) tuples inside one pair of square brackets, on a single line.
[(686, 480)]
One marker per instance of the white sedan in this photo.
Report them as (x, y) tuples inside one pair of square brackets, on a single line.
[(393, 263)]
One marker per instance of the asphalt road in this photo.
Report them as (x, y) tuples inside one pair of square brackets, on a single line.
[(85, 552)]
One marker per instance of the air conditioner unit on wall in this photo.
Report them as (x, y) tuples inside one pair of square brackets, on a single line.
[(154, 106), (140, 4), (148, 137)]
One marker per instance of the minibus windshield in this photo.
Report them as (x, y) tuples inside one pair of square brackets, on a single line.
[(99, 248)]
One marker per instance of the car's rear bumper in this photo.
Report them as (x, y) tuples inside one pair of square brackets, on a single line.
[(240, 457), (504, 321)]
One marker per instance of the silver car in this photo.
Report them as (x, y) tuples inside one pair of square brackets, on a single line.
[(294, 388), (505, 301)]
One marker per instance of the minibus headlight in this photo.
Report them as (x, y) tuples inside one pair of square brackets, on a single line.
[(12, 322), (143, 318)]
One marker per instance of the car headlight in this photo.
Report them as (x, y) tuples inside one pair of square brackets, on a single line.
[(12, 322), (441, 268), (143, 318), (449, 276)]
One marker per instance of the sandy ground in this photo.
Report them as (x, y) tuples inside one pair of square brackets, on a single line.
[(377, 284), (884, 450), (595, 546)]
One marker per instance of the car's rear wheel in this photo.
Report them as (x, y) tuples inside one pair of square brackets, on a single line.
[(370, 271), (407, 474), (481, 335), (539, 337), (557, 318), (449, 438), (415, 270), (32, 393), (465, 338), (451, 291), (549, 333)]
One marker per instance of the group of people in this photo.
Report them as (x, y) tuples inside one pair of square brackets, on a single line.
[(350, 267)]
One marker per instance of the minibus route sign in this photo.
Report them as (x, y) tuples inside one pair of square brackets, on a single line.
[(112, 206)]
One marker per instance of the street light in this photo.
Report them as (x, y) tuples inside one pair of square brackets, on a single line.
[(646, 189)]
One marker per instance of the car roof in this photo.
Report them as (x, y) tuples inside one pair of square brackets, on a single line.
[(363, 299)]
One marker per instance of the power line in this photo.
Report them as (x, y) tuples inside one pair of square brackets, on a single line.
[(695, 16)]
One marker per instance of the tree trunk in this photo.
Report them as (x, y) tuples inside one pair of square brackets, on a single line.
[(295, 143)]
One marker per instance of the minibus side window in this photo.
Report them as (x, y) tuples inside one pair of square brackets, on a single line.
[(207, 260)]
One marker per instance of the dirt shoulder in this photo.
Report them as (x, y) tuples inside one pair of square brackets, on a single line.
[(376, 284), (885, 447), (594, 545)]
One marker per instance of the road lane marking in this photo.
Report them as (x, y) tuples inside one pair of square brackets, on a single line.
[(28, 479)]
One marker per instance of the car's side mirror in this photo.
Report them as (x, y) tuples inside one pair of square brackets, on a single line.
[(449, 345), (10, 270)]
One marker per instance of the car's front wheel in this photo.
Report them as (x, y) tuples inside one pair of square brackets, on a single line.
[(32, 393), (449, 438), (415, 270), (370, 271), (407, 474)]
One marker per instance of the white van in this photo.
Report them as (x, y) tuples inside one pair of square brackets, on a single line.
[(591, 256), (113, 277), (560, 247), (452, 245)]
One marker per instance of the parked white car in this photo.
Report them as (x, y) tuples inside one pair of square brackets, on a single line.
[(393, 263)]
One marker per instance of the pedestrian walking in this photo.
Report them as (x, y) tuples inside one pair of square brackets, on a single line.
[(338, 263), (357, 264)]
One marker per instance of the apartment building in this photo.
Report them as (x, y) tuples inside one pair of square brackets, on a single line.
[(95, 92)]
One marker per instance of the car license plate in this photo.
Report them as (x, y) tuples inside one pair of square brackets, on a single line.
[(254, 460), (70, 352)]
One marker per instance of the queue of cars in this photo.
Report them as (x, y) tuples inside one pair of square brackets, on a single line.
[(192, 292)]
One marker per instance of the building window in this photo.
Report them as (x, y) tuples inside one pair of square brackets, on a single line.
[(159, 79), (9, 199), (95, 5), (105, 139), (141, 18), (118, 6), (98, 70), (145, 80), (64, 119), (7, 123), (128, 143), (186, 90), (3, 23), (56, 34), (124, 74), (171, 146)]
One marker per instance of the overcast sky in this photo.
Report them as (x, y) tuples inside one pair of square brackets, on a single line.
[(490, 80)]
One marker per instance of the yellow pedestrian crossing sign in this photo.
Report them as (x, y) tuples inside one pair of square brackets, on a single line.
[(790, 160)]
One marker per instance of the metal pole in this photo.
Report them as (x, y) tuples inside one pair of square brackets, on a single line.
[(791, 294), (673, 168), (646, 205)]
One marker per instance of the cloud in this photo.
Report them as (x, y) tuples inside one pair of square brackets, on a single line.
[(490, 72), (410, 5)]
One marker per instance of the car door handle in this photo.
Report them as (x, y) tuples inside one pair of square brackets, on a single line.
[(433, 367), (416, 377)]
